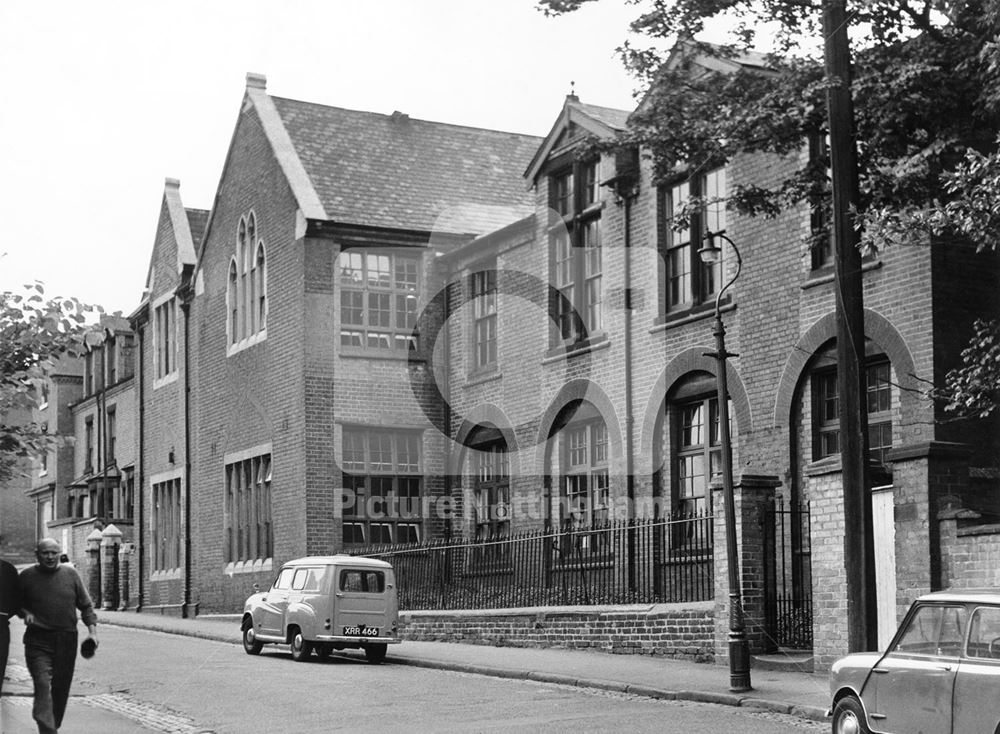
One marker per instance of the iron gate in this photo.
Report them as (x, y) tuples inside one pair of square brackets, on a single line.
[(788, 575)]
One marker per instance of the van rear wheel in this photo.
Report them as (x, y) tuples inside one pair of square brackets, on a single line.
[(375, 654), (301, 648)]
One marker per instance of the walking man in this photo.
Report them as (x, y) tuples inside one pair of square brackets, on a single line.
[(10, 604), (50, 596)]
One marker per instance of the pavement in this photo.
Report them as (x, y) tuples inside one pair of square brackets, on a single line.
[(805, 695)]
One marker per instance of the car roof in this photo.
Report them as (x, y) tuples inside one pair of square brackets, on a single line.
[(340, 558), (984, 596)]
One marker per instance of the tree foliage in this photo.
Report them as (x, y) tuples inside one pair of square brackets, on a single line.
[(35, 331), (926, 92)]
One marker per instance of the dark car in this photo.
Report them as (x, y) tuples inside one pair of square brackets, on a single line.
[(939, 675)]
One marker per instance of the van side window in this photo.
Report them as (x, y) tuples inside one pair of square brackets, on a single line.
[(306, 579), (284, 580), (372, 582)]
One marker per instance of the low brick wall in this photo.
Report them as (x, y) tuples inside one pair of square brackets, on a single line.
[(970, 555), (683, 631)]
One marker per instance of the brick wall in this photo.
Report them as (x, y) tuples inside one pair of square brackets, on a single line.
[(254, 396), (970, 552), (671, 630)]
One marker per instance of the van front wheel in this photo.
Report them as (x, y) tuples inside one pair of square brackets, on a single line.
[(375, 654), (250, 644), (301, 648)]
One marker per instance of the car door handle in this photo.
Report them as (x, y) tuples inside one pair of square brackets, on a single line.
[(943, 667), (263, 598), (339, 594), (880, 670)]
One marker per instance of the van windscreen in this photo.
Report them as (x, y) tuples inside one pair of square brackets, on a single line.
[(353, 579)]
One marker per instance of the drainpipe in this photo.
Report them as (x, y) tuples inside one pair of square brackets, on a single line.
[(141, 478), (186, 309), (625, 186), (629, 417)]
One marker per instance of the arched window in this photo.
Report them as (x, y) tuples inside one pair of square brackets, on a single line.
[(232, 301), (247, 286), (582, 446), (260, 307), (695, 446)]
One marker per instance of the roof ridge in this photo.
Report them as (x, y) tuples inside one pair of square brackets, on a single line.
[(388, 116)]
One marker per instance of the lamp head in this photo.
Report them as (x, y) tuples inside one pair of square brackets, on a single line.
[(710, 252)]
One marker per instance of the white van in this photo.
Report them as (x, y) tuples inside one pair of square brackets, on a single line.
[(325, 603)]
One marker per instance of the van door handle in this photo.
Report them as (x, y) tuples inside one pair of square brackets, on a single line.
[(340, 594)]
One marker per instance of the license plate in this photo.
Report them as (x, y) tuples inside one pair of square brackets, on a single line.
[(360, 630)]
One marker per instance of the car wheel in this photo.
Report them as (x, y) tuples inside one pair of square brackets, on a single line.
[(301, 648), (250, 644), (849, 717), (375, 654)]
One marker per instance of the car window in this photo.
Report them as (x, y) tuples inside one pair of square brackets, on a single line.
[(372, 582), (984, 634), (284, 580), (306, 579), (934, 629)]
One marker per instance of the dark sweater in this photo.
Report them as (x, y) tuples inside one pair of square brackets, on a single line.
[(53, 598), (10, 590)]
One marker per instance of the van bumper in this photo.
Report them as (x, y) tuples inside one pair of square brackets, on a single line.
[(342, 639)]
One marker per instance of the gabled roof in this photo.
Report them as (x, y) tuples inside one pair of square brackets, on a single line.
[(183, 224), (696, 53), (179, 222), (391, 171), (394, 171), (602, 122)]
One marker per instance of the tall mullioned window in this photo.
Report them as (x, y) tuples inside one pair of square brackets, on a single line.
[(697, 454), (165, 338), (575, 252), (249, 533), (484, 305), (378, 300), (166, 525), (383, 484), (690, 282), (246, 288), (826, 411)]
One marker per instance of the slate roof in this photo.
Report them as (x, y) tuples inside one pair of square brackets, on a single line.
[(197, 219), (613, 118), (402, 173)]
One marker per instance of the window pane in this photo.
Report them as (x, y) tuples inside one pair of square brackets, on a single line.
[(679, 276), (351, 267), (352, 307), (578, 447), (406, 274), (379, 313), (378, 271), (381, 451), (691, 425)]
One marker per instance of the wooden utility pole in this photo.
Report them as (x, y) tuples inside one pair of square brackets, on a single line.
[(859, 554)]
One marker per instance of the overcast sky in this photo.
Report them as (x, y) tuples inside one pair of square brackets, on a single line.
[(103, 100)]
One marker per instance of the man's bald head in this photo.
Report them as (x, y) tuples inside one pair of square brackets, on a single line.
[(47, 553), (47, 544)]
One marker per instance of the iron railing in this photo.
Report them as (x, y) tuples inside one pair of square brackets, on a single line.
[(788, 575), (620, 562)]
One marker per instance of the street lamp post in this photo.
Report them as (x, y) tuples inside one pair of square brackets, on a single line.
[(739, 652)]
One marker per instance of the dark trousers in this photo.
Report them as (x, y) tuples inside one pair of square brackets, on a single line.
[(51, 658), (4, 647)]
